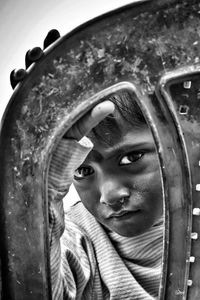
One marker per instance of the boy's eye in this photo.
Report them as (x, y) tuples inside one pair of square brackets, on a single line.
[(83, 172), (130, 158)]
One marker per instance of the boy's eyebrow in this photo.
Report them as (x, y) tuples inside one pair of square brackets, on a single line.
[(124, 147), (120, 148)]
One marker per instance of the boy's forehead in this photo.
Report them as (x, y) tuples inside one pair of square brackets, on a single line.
[(126, 136), (108, 136), (113, 128)]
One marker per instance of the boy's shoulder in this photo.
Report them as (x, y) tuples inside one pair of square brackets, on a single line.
[(75, 241), (73, 210), (79, 215), (82, 221)]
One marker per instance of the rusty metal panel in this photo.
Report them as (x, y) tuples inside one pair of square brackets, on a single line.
[(153, 46)]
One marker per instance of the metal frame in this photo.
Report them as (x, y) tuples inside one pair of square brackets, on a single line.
[(39, 113)]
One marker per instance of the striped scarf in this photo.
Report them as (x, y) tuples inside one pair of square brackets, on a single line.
[(104, 265)]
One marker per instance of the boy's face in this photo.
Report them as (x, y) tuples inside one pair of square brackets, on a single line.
[(120, 183)]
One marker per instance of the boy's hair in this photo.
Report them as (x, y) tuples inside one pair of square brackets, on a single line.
[(126, 112)]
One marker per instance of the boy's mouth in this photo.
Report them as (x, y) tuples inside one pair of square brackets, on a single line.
[(124, 213)]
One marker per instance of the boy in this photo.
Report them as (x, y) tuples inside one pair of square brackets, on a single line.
[(111, 247)]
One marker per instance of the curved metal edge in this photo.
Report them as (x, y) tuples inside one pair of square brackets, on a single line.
[(163, 95), (139, 4)]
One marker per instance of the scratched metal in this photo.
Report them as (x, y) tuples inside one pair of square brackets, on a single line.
[(181, 87), (140, 44)]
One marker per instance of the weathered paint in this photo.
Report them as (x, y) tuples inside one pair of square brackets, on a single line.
[(139, 44)]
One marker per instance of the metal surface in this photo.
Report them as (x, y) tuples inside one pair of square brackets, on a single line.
[(181, 91), (152, 45)]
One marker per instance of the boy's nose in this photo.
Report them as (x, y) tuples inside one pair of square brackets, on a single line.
[(112, 193)]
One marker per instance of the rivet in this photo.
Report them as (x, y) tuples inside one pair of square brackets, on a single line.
[(183, 109), (187, 84), (192, 259), (189, 282), (196, 211), (194, 235), (198, 187)]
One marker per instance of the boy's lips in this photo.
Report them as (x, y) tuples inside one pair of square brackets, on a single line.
[(122, 213)]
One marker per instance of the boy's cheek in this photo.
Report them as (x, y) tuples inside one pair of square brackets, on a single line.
[(149, 182)]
